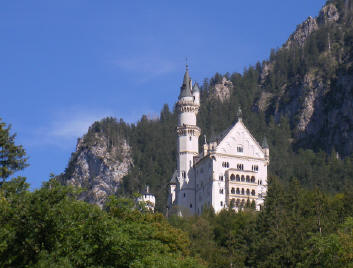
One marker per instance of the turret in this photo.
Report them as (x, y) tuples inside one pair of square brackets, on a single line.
[(196, 93), (188, 133), (266, 148)]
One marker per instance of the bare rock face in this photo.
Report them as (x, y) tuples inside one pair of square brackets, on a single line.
[(302, 32), (312, 88), (328, 14), (222, 91), (98, 168)]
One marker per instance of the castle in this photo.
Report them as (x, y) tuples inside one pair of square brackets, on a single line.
[(229, 172)]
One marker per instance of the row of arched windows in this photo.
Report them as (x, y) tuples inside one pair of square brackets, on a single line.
[(239, 202), (242, 178), (242, 191)]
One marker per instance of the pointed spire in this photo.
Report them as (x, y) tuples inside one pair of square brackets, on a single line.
[(239, 114), (185, 90), (264, 143), (195, 88)]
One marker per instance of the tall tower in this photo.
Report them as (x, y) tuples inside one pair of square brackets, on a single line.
[(188, 135)]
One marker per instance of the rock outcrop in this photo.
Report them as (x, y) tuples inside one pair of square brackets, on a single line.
[(319, 100), (98, 167), (221, 91)]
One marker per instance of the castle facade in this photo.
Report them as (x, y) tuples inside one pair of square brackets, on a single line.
[(229, 172)]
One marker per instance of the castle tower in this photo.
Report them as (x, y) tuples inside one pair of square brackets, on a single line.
[(187, 147)]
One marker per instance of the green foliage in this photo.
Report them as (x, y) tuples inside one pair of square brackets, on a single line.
[(12, 156), (50, 228)]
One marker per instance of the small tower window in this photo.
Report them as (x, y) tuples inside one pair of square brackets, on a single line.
[(221, 178), (183, 174), (239, 149), (221, 203), (221, 191)]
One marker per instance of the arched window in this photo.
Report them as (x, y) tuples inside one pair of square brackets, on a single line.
[(237, 178), (242, 190), (233, 191), (242, 202), (253, 192), (232, 177), (237, 203), (238, 191), (242, 178), (252, 179), (247, 192), (247, 178)]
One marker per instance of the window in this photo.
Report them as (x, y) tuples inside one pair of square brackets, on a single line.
[(221, 203), (190, 205), (237, 178), (233, 191), (183, 174), (242, 178), (221, 191), (221, 178), (242, 190), (252, 179), (184, 195), (255, 168), (225, 164), (238, 191), (237, 203), (240, 166), (247, 178), (253, 192), (232, 177), (190, 138), (247, 192), (239, 149)]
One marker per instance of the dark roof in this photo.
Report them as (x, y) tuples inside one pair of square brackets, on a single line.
[(264, 143), (185, 90), (218, 138)]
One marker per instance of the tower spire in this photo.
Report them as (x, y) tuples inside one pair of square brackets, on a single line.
[(185, 90)]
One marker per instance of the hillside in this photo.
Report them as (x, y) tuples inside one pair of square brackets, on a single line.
[(300, 98)]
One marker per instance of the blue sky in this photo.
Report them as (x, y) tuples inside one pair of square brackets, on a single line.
[(65, 64)]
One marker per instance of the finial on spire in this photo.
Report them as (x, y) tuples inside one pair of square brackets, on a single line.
[(239, 114), (186, 63)]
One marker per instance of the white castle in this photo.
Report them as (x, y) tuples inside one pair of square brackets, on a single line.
[(229, 172)]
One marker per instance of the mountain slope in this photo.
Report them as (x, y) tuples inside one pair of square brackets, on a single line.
[(301, 98)]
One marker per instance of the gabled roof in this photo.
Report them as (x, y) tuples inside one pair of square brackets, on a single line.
[(224, 134)]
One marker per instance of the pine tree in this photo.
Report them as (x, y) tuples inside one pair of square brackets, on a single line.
[(12, 156)]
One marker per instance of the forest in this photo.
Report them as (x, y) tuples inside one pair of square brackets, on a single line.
[(307, 220)]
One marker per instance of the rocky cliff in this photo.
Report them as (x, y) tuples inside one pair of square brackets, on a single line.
[(98, 166), (317, 93)]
